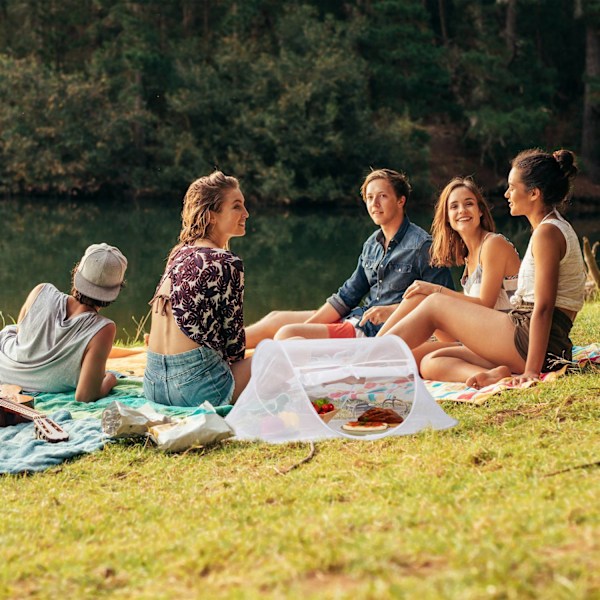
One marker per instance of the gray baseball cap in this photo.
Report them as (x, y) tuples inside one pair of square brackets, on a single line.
[(100, 272)]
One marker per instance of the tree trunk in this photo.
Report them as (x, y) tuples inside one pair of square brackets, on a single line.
[(590, 143), (510, 31), (443, 28)]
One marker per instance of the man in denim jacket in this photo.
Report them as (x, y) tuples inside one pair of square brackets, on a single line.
[(391, 259)]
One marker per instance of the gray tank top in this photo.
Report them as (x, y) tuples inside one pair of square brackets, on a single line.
[(43, 353)]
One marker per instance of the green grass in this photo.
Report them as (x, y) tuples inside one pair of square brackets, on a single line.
[(478, 511)]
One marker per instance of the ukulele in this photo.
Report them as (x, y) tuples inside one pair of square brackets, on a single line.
[(13, 402)]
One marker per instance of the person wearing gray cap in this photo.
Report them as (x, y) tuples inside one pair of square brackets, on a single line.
[(60, 342)]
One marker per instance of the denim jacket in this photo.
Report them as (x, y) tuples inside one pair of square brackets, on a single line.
[(381, 277)]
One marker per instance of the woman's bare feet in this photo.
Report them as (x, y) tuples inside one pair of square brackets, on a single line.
[(485, 378)]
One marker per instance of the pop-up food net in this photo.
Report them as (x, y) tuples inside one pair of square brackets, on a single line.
[(352, 374)]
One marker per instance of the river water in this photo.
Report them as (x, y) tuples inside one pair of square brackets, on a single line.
[(293, 259)]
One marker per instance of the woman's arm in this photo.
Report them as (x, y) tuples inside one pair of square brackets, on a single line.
[(498, 260), (94, 382)]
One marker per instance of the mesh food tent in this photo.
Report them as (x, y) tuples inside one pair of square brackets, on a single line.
[(353, 374)]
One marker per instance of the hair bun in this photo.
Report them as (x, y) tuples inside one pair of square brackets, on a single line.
[(566, 162)]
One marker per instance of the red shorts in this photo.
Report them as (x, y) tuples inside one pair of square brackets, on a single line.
[(341, 329)]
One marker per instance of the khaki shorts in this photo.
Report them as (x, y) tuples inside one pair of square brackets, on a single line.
[(559, 345)]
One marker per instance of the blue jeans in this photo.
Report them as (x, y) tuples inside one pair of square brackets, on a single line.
[(188, 379)]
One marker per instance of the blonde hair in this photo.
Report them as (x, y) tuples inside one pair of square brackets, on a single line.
[(204, 195), (448, 248)]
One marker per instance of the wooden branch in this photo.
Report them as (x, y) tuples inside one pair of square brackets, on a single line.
[(308, 457)]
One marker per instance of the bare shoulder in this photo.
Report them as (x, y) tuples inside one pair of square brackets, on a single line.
[(33, 294), (102, 342), (548, 242), (547, 234), (497, 246)]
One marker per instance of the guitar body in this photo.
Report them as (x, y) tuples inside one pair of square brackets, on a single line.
[(18, 408), (12, 392)]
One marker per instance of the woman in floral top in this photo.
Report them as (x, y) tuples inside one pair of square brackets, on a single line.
[(197, 342)]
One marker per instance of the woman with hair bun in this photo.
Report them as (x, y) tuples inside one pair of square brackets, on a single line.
[(534, 336), (197, 342)]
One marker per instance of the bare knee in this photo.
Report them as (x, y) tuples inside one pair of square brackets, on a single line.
[(433, 308), (429, 366), (288, 331)]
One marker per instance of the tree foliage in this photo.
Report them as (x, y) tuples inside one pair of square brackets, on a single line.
[(298, 99)]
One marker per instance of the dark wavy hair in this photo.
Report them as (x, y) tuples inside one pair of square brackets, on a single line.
[(552, 174)]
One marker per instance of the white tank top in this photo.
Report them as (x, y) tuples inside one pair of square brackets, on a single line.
[(571, 272), (43, 352), (472, 283)]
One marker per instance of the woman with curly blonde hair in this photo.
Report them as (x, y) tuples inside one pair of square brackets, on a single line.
[(197, 342)]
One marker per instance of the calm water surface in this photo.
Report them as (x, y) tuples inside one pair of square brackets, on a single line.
[(293, 260)]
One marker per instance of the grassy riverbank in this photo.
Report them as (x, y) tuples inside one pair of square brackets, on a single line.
[(505, 505)]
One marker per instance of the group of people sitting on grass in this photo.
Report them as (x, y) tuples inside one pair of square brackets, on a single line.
[(512, 318)]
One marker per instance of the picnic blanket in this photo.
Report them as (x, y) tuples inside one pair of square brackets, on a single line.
[(21, 452), (459, 392)]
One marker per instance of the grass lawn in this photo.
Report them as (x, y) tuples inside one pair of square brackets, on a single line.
[(505, 505)]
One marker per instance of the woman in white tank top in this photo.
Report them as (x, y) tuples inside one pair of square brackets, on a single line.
[(534, 336), (463, 234)]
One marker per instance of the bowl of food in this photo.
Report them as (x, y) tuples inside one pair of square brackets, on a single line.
[(325, 409)]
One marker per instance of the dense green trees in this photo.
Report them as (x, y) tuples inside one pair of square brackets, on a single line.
[(297, 98)]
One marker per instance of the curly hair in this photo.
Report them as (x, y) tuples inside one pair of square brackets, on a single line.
[(448, 248), (203, 195)]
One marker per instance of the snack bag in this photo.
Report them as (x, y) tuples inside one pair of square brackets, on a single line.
[(193, 431)]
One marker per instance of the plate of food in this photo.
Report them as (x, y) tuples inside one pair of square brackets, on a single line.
[(364, 427)]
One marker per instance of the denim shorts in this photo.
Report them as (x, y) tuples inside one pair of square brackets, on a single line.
[(188, 379)]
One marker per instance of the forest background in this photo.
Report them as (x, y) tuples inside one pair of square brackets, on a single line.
[(297, 98)]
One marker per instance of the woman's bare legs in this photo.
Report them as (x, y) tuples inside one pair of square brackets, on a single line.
[(429, 347), (487, 333), (268, 326), (404, 308), (460, 364)]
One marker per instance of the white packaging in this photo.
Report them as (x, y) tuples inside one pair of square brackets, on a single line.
[(193, 431), (120, 420)]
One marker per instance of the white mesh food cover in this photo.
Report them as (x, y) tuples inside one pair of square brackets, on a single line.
[(352, 374)]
